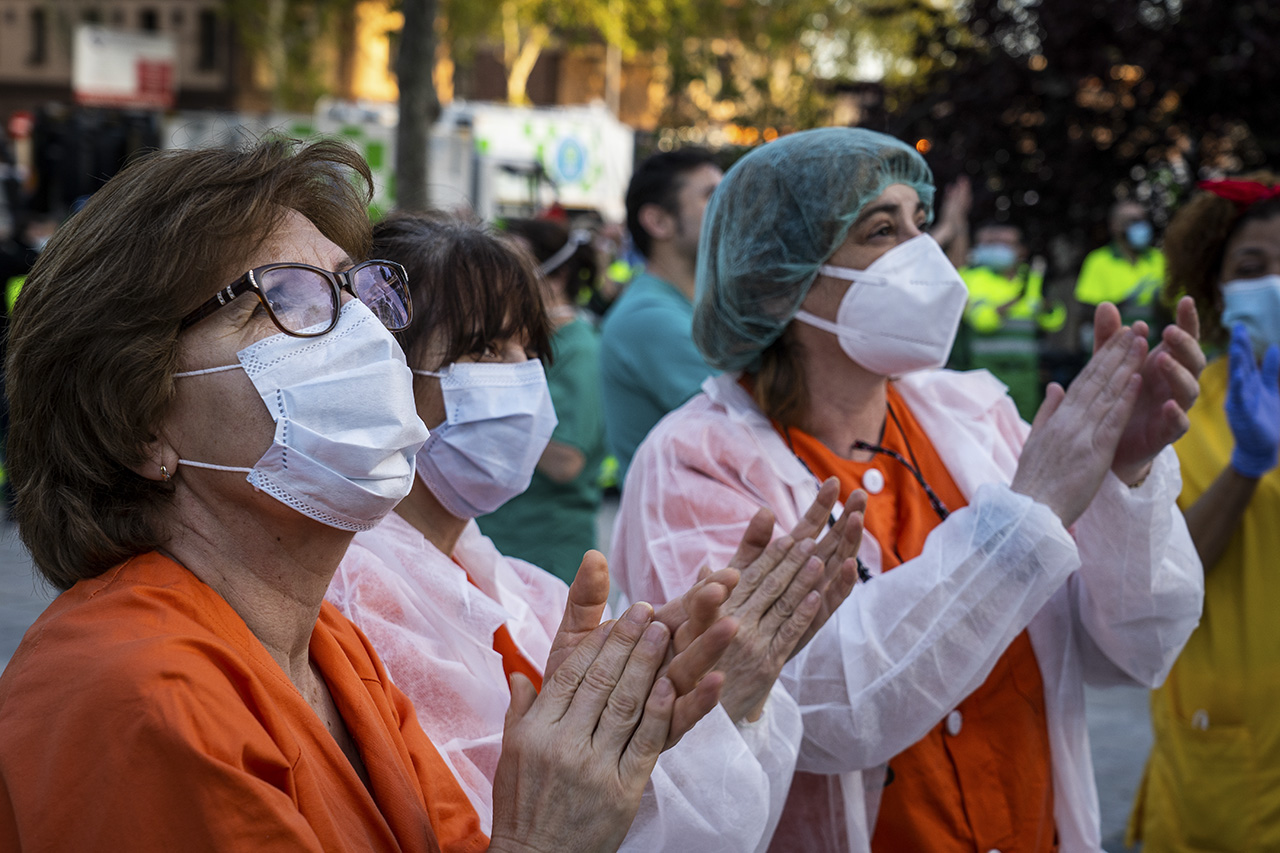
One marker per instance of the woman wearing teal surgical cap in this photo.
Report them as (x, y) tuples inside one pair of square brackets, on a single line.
[(961, 661)]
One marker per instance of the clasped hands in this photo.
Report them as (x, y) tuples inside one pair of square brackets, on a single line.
[(576, 757)]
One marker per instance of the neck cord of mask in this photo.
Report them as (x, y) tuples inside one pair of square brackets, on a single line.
[(913, 466), (864, 575)]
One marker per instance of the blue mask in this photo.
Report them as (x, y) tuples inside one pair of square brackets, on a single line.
[(1256, 303), (1138, 234), (997, 256)]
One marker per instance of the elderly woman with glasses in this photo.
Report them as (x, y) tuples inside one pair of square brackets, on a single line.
[(192, 459)]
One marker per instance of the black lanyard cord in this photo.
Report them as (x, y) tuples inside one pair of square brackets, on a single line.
[(864, 574)]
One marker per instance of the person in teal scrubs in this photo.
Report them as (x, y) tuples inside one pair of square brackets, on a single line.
[(648, 363), (553, 522)]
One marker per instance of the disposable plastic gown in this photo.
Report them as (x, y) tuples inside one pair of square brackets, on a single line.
[(720, 789), (1114, 606)]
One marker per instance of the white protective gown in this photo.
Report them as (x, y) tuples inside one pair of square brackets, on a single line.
[(720, 789), (1114, 606)]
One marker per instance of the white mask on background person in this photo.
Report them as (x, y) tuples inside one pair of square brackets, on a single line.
[(901, 313), (347, 426), (1256, 303), (498, 420)]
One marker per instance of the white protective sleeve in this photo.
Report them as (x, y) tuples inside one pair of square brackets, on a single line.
[(1140, 589), (907, 646), (722, 788)]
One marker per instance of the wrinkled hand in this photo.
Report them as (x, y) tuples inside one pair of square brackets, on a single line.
[(789, 588), (1253, 405), (576, 757), (1074, 436), (699, 635), (1170, 385)]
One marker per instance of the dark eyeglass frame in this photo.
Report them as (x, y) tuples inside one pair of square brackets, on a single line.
[(338, 281)]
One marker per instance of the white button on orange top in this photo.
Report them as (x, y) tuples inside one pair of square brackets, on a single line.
[(954, 722), (873, 481)]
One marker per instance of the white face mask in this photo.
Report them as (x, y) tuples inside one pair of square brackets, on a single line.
[(901, 313), (347, 426), (1256, 303), (498, 420)]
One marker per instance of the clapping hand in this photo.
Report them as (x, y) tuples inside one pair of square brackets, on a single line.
[(789, 588), (1076, 432), (1170, 385)]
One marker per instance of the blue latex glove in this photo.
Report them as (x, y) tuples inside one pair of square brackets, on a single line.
[(1253, 405)]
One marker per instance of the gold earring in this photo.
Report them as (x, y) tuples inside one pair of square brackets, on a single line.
[(164, 472)]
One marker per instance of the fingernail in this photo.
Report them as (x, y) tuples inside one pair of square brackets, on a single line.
[(655, 635), (663, 689), (639, 613), (806, 546)]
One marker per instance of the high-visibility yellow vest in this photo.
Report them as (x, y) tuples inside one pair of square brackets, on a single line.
[(1107, 276), (989, 290), (11, 290)]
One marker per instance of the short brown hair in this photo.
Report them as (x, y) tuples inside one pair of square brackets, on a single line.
[(471, 286), (94, 339), (1194, 245)]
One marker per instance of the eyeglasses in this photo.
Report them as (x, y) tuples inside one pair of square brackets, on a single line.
[(304, 301)]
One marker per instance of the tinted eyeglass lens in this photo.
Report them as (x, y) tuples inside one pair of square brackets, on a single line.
[(383, 290), (300, 298)]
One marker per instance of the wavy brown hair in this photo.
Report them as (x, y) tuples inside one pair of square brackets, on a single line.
[(1195, 243), (94, 338)]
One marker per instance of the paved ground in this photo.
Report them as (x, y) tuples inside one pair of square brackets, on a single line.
[(1118, 723)]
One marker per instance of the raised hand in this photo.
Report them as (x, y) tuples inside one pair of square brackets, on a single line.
[(1170, 385), (789, 587), (1075, 434), (576, 757), (1253, 405), (700, 634)]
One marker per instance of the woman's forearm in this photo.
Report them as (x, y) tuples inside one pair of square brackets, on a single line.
[(1213, 519)]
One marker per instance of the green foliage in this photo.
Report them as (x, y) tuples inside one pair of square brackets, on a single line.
[(779, 63), (1056, 109), (284, 36)]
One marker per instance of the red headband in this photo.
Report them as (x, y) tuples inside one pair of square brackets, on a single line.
[(1243, 193)]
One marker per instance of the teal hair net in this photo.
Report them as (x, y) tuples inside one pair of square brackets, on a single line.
[(778, 215)]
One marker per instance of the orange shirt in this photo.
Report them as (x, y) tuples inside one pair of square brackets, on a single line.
[(139, 713), (981, 779)]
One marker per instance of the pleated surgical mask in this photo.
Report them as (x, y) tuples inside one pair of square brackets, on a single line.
[(901, 313), (347, 428), (498, 420)]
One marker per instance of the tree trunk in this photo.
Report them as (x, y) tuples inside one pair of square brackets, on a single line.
[(519, 70), (418, 104)]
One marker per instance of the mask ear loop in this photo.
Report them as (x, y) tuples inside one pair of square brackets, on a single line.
[(186, 373)]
